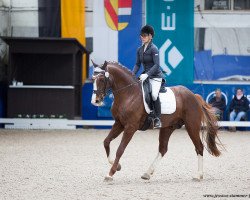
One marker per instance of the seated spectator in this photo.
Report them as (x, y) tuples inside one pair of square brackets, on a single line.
[(218, 104), (238, 107)]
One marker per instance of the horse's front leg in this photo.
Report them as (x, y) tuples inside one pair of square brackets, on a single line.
[(127, 136), (116, 130)]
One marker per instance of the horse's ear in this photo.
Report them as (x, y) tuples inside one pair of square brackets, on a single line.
[(104, 65), (95, 65)]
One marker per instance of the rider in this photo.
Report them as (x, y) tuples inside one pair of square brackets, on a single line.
[(148, 55)]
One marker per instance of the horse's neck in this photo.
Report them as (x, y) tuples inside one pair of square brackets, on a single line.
[(120, 78), (122, 82)]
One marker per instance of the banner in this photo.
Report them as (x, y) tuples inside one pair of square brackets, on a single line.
[(73, 24), (116, 29), (73, 19), (173, 21)]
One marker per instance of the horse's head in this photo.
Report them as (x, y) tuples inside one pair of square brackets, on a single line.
[(100, 83)]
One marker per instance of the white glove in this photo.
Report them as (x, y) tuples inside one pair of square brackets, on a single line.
[(143, 77)]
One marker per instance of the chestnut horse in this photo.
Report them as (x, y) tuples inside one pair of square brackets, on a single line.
[(129, 115)]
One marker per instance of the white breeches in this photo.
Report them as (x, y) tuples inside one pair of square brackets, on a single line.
[(156, 86)]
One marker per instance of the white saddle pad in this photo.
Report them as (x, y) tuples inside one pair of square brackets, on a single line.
[(168, 102)]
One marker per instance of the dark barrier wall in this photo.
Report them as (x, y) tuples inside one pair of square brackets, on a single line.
[(49, 76), (2, 101)]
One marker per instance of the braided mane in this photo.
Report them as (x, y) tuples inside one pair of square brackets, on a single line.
[(120, 66)]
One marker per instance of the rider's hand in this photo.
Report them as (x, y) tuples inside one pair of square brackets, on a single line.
[(143, 77)]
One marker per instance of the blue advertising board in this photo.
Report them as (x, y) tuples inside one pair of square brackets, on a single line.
[(173, 22), (228, 91)]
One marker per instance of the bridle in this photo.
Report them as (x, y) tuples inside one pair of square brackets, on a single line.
[(106, 89)]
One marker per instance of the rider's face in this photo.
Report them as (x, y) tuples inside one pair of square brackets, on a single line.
[(146, 38)]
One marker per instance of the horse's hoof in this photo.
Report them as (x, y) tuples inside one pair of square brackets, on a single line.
[(108, 179), (119, 167), (145, 176), (198, 178)]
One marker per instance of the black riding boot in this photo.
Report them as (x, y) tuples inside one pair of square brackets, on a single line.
[(157, 108)]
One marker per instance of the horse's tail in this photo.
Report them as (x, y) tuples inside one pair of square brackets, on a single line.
[(210, 120)]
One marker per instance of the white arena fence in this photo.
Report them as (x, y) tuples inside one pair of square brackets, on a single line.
[(21, 123)]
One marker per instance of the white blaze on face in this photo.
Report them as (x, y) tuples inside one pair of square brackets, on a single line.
[(93, 99)]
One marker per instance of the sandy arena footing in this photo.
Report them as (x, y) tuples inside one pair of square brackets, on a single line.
[(72, 165)]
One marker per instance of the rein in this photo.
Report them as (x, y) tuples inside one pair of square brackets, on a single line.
[(125, 87), (114, 91), (104, 92)]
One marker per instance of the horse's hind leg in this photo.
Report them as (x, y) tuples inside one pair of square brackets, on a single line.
[(163, 147), (194, 133), (116, 130)]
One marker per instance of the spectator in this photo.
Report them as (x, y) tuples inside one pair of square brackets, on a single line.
[(238, 107), (218, 104)]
